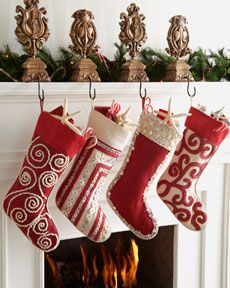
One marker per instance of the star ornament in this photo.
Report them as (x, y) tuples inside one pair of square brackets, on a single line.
[(65, 119), (170, 117), (219, 116), (123, 120)]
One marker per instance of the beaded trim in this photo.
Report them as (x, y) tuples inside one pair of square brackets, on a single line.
[(148, 209), (158, 131)]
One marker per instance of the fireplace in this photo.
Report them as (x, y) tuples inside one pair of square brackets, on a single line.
[(201, 260), (122, 261)]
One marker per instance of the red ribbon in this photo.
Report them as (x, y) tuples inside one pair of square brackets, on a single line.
[(113, 110), (89, 135)]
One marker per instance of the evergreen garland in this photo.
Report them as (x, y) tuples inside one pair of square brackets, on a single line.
[(156, 62), (221, 65), (205, 66), (200, 65)]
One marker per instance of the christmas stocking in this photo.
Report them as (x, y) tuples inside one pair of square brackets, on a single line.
[(153, 140), (177, 186), (53, 145), (77, 197)]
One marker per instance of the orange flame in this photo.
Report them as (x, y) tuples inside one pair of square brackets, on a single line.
[(95, 269), (53, 265), (124, 269), (86, 273), (115, 277), (130, 265), (109, 272), (134, 260)]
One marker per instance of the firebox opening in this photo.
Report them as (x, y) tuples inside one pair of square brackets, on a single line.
[(122, 261)]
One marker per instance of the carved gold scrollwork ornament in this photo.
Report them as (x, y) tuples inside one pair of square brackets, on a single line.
[(32, 27), (83, 33), (178, 37), (178, 40), (133, 33)]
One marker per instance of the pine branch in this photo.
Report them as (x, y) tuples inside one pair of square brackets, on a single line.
[(156, 62), (67, 59)]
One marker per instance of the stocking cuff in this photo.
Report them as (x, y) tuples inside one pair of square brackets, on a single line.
[(58, 135), (213, 130), (158, 131), (108, 131)]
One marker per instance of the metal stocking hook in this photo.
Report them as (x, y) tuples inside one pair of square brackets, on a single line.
[(41, 96), (92, 97), (194, 89), (143, 96), (140, 91)]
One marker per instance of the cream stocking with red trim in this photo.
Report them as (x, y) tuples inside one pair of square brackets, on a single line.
[(77, 197)]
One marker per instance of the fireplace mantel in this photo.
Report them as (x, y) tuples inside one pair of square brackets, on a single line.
[(202, 260), (19, 91)]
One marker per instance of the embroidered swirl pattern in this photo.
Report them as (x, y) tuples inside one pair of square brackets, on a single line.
[(33, 204), (176, 187), (38, 155), (59, 162), (25, 203)]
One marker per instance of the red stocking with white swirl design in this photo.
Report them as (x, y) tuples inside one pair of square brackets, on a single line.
[(77, 197), (177, 186), (52, 147)]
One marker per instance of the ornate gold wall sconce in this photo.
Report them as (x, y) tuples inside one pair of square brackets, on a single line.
[(133, 35), (178, 40), (32, 31), (83, 35)]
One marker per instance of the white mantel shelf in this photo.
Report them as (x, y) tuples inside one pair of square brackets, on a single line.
[(202, 260), (24, 91)]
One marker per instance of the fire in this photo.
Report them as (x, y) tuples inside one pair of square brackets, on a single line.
[(86, 273), (109, 271), (130, 265), (116, 271), (53, 266), (124, 269), (95, 269), (133, 261)]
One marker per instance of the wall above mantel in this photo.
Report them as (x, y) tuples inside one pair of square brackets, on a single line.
[(208, 28)]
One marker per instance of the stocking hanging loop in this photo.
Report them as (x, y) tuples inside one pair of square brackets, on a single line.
[(41, 96)]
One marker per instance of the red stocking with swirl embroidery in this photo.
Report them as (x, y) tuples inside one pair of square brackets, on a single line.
[(77, 197), (53, 145), (177, 186)]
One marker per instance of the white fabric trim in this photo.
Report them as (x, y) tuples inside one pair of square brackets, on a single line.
[(158, 131), (108, 131)]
